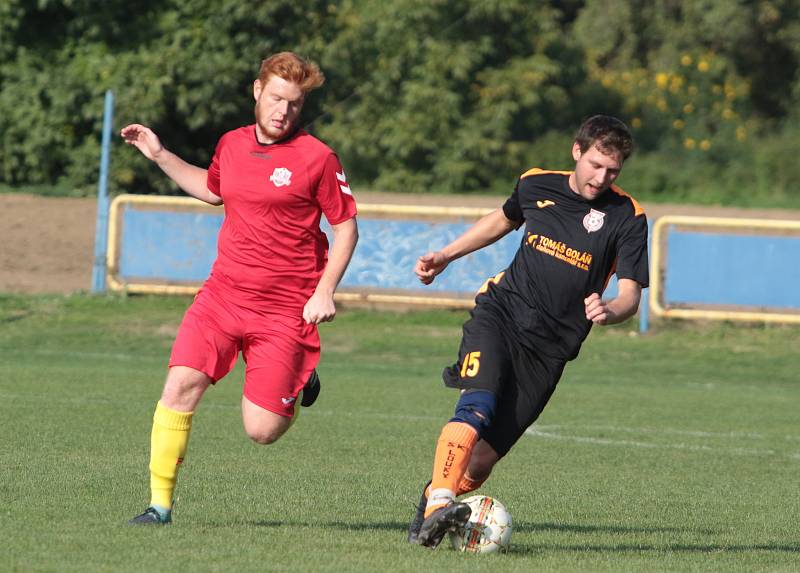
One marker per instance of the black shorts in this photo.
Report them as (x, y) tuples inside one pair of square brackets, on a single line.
[(492, 357)]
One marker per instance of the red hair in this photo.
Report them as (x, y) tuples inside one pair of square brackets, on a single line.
[(292, 68)]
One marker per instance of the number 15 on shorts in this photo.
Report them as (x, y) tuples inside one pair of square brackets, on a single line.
[(471, 364)]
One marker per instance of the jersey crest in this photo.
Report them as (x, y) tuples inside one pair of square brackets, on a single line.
[(281, 176), (594, 220)]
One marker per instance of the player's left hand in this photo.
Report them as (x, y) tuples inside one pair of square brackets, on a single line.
[(319, 308), (597, 309)]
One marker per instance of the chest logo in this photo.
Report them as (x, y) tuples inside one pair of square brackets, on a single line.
[(545, 203), (281, 176), (594, 220)]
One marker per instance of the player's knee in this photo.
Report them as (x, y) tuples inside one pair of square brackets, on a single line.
[(265, 432), (476, 408), (264, 437), (184, 388)]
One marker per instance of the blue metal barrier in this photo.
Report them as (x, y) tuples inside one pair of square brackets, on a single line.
[(726, 269)]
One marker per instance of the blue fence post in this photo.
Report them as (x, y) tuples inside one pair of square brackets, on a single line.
[(644, 305), (101, 229)]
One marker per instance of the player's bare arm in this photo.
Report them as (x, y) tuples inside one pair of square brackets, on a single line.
[(617, 309), (487, 230), (320, 307), (190, 178)]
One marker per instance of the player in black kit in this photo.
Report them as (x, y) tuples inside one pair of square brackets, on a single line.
[(531, 319)]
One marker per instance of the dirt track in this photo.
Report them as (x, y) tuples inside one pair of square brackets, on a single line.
[(47, 244)]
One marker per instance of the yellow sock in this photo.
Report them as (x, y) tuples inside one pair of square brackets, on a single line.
[(168, 443), (453, 451)]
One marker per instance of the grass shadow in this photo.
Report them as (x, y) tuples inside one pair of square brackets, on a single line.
[(710, 548), (587, 528)]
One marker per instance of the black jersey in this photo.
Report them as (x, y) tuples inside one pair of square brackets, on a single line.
[(569, 250)]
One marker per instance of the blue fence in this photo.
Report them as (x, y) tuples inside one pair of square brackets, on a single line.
[(178, 248), (726, 269), (732, 269)]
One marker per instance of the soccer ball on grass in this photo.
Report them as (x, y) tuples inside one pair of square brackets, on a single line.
[(488, 529)]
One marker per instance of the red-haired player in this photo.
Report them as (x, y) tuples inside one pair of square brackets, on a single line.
[(273, 279)]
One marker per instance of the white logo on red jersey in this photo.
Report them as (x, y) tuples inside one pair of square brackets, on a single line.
[(287, 401), (281, 176), (594, 220), (343, 183)]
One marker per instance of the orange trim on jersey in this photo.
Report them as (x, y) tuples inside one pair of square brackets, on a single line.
[(494, 280), (637, 208), (537, 171)]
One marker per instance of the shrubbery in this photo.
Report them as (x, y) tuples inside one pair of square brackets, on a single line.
[(443, 96)]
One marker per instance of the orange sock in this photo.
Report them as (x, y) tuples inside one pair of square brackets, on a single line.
[(467, 484), (453, 451)]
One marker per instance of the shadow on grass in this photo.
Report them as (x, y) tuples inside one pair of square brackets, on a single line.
[(638, 547), (338, 525), (585, 528), (526, 549)]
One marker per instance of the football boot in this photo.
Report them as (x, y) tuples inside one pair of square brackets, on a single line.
[(151, 516), (448, 518), (419, 516), (310, 390)]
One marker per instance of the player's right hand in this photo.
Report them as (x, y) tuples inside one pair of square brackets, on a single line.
[(430, 265), (144, 139)]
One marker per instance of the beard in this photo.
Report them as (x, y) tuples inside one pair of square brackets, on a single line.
[(269, 131)]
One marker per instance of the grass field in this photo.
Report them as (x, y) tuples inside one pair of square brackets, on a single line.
[(675, 451)]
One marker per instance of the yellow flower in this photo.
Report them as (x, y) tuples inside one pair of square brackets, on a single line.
[(678, 124), (741, 133), (636, 123), (662, 79), (661, 105), (689, 143), (688, 108), (728, 113), (686, 60), (716, 90), (705, 145), (607, 81), (703, 66)]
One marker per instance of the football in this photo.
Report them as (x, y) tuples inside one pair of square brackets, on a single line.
[(488, 529)]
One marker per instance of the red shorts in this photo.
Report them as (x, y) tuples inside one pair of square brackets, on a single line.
[(280, 351)]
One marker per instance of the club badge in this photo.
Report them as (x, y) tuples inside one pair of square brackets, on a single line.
[(593, 221), (281, 176)]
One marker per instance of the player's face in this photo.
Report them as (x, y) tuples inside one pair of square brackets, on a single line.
[(595, 171), (278, 105)]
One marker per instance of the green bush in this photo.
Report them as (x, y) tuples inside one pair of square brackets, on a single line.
[(422, 96)]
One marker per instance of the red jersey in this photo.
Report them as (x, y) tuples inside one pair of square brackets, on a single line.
[(270, 248)]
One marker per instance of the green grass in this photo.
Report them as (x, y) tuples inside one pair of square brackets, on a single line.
[(675, 451)]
